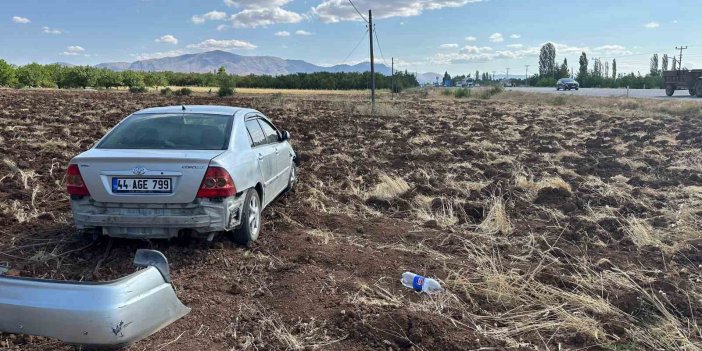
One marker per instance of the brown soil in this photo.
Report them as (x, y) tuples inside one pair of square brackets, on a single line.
[(613, 262)]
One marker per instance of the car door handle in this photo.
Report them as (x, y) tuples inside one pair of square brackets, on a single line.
[(260, 157)]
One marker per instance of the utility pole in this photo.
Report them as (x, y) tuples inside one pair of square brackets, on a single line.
[(507, 73), (526, 75), (372, 63), (681, 48), (392, 79), (493, 75)]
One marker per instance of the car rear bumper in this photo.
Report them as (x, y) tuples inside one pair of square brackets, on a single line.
[(114, 313), (157, 221)]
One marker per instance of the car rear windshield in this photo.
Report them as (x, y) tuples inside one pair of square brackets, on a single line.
[(171, 132)]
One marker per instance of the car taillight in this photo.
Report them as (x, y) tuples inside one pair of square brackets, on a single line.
[(216, 183), (74, 182)]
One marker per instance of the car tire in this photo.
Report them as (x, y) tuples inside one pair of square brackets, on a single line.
[(557, 88), (576, 88), (250, 226), (292, 179)]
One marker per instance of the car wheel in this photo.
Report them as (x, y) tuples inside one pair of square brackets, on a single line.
[(250, 219), (557, 88), (292, 180), (692, 91), (576, 88)]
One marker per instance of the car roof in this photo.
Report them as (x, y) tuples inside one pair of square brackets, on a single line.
[(198, 109)]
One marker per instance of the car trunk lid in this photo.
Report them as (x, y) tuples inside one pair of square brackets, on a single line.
[(102, 168)]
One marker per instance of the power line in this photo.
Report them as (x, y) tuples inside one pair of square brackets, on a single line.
[(379, 48), (358, 12), (355, 47)]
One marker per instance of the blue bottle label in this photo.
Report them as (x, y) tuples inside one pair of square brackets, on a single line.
[(418, 282)]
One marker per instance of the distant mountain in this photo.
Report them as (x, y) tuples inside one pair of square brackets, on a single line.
[(235, 64), (115, 66)]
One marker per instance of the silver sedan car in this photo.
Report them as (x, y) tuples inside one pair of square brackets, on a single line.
[(170, 171)]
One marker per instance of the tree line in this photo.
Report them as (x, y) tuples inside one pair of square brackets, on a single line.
[(59, 76), (596, 72)]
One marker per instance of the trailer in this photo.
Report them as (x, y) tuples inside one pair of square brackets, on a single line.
[(690, 80)]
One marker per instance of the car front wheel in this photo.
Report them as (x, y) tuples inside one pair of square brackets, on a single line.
[(250, 219)]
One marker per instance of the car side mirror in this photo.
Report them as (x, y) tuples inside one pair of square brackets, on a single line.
[(284, 135)]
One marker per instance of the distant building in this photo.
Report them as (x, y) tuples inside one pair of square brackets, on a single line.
[(465, 83)]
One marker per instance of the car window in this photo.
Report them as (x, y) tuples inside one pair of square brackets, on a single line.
[(170, 132), (270, 131), (255, 132)]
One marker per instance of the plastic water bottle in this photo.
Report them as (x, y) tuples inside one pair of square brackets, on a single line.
[(420, 283)]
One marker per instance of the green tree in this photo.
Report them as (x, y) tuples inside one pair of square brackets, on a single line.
[(563, 70), (76, 77), (107, 79), (226, 83), (664, 62), (614, 68), (547, 60), (582, 70), (7, 74), (132, 79), (477, 75), (155, 79), (654, 65), (34, 75), (447, 77)]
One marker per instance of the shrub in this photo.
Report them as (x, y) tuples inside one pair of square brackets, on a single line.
[(446, 92), (183, 92), (137, 89), (166, 91), (461, 93), (225, 91), (560, 100), (492, 91)]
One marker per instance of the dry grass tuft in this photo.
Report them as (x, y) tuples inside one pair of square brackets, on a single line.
[(389, 187), (496, 221)]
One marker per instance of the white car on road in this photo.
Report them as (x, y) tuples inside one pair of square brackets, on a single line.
[(182, 170)]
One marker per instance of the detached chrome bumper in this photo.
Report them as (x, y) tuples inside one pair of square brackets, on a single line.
[(114, 313)]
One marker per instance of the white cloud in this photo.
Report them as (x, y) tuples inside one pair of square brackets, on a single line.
[(222, 27), (156, 55), (496, 38), (167, 39), (612, 50), (213, 44), (256, 4), (472, 54), (22, 20), (282, 33), (515, 36), (262, 17), (471, 38), (469, 49), (515, 46), (652, 25), (448, 46), (48, 30), (302, 32), (675, 21), (210, 16), (73, 50), (332, 11)]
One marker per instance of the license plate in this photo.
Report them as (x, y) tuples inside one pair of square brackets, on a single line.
[(141, 185)]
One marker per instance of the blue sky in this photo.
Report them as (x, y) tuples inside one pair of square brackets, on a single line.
[(423, 35)]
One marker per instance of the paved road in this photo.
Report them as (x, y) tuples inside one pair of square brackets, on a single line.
[(636, 93)]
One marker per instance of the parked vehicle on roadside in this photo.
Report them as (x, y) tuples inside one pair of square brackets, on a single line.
[(170, 171), (567, 84)]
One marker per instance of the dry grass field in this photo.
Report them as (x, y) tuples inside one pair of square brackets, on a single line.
[(559, 224)]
